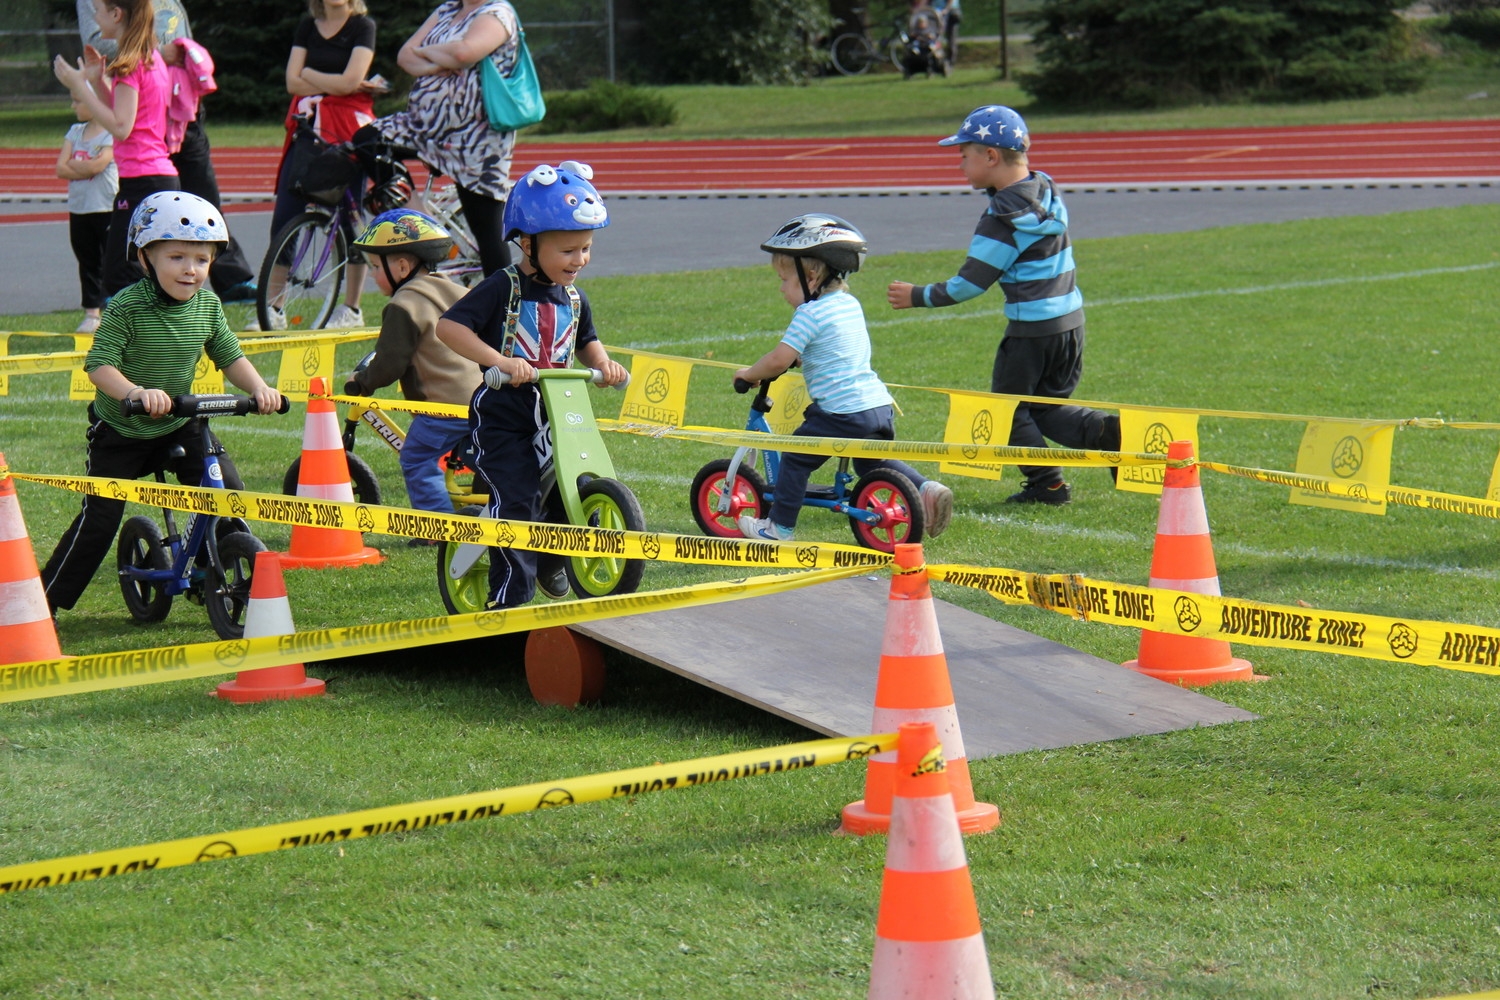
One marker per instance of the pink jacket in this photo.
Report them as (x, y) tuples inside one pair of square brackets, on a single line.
[(190, 80)]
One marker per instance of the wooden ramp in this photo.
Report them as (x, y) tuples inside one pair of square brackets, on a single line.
[(812, 656)]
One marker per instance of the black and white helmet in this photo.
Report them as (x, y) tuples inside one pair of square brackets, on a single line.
[(827, 238)]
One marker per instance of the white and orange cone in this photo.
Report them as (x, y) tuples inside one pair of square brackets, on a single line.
[(26, 629), (324, 475), (913, 686), (268, 612), (928, 941), (1183, 559)]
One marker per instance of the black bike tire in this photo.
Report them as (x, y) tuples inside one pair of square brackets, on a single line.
[(624, 575), (141, 546), (884, 475), (851, 53), (361, 478), (283, 238), (227, 598), (471, 593)]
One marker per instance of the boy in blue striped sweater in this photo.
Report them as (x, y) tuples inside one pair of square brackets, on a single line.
[(812, 254), (1022, 243)]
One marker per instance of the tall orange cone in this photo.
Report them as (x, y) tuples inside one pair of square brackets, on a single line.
[(913, 686), (1183, 559), (268, 612), (928, 942), (26, 629), (324, 475)]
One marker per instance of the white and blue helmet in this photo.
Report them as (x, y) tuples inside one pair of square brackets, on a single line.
[(176, 215), (550, 198), (992, 125)]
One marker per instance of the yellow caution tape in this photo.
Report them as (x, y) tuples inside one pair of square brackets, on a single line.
[(132, 668), (931, 451), (440, 812), (1407, 496), (399, 405), (1471, 648), (57, 361), (561, 539)]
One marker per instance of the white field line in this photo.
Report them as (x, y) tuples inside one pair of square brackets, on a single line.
[(942, 315)]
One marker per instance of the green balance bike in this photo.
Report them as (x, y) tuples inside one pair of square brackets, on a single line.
[(581, 472)]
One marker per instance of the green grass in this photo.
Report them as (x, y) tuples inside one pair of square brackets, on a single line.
[(1343, 845), (881, 103)]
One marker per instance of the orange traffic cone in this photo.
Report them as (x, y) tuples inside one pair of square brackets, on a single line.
[(913, 686), (1183, 559), (928, 942), (268, 612), (26, 629), (324, 475)]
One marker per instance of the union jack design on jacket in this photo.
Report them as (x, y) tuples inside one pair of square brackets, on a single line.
[(540, 333)]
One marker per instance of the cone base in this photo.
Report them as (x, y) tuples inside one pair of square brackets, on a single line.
[(28, 642), (293, 683), (1234, 670), (364, 556), (858, 821)]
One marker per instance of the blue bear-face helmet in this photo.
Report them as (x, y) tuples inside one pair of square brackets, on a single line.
[(992, 125), (551, 199)]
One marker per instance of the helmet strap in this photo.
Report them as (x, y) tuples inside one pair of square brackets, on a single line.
[(395, 283), (533, 258), (162, 295), (809, 294)]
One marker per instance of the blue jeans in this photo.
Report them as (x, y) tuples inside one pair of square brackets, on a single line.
[(427, 440), (796, 469)]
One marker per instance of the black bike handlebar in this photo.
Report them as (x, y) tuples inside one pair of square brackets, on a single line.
[(208, 405)]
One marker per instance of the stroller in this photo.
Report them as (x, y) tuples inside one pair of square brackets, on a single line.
[(925, 52)]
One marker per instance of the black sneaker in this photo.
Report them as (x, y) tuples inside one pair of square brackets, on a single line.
[(554, 584), (421, 543), (1057, 494), (1109, 440)]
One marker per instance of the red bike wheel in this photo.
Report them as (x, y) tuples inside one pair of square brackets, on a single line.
[(747, 495), (894, 497)]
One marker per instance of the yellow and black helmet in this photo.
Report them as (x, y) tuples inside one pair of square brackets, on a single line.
[(405, 230)]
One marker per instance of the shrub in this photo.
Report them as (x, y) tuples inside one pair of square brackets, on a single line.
[(1148, 53), (748, 42), (604, 106), (1481, 25)]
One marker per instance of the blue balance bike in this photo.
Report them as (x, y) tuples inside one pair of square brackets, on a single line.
[(884, 507), (213, 560)]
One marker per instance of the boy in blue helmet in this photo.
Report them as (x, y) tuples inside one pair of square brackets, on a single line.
[(1022, 243), (529, 316)]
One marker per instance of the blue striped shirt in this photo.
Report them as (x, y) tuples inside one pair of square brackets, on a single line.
[(830, 335), (1022, 243)]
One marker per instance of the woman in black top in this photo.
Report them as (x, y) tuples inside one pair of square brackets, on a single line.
[(332, 50)]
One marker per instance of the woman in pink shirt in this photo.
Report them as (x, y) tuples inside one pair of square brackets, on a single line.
[(129, 98)]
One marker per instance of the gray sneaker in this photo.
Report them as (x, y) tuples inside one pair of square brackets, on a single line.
[(937, 507)]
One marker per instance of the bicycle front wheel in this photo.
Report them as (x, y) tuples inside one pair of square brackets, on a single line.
[(302, 275), (851, 53)]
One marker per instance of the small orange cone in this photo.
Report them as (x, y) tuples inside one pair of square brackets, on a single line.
[(26, 629), (268, 612), (928, 942), (1183, 559), (913, 686), (324, 475)]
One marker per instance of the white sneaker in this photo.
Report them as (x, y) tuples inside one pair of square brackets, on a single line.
[(761, 529), (344, 318), (937, 506), (278, 320), (89, 325)]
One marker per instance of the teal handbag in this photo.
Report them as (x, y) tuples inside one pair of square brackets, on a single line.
[(515, 101)]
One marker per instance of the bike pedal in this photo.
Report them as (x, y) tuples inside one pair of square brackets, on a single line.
[(822, 493)]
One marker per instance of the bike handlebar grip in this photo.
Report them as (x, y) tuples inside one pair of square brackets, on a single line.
[(597, 377), (216, 404), (495, 377), (742, 387)]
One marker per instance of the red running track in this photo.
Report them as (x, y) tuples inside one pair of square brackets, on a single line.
[(1408, 151)]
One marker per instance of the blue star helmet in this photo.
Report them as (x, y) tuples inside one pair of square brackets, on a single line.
[(175, 215), (554, 198), (992, 125)]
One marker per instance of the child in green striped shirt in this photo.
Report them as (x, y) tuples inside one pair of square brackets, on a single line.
[(147, 348)]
